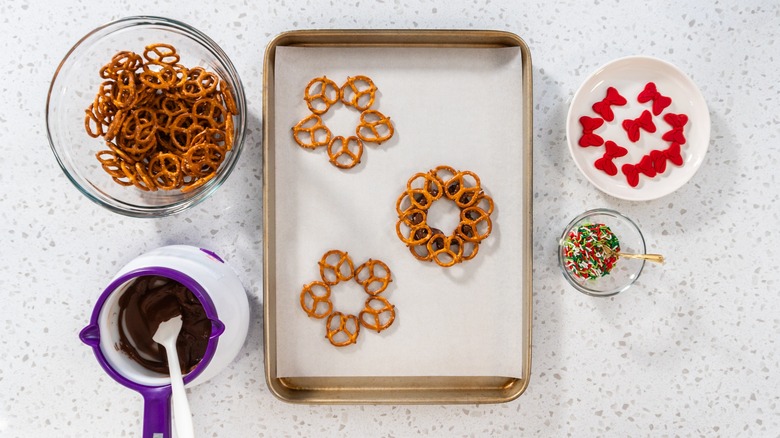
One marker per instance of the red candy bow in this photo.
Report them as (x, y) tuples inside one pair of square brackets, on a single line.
[(673, 154), (605, 163), (632, 171), (677, 122), (604, 108), (589, 124), (659, 100), (645, 121), (659, 160)]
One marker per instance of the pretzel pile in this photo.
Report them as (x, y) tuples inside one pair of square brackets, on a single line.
[(431, 244), (343, 329), (166, 126), (358, 92)]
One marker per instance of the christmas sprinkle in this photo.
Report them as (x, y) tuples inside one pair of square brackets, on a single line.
[(584, 253)]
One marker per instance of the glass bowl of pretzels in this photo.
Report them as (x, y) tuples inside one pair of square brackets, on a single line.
[(146, 116)]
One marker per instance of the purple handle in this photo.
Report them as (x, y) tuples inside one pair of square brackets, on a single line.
[(157, 412)]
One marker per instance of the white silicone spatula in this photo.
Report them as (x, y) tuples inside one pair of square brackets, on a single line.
[(166, 336)]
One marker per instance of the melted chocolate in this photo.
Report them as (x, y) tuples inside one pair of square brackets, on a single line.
[(146, 303)]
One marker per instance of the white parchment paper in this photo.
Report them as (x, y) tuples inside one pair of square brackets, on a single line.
[(459, 107)]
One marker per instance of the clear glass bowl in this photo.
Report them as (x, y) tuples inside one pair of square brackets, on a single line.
[(75, 85), (625, 272)]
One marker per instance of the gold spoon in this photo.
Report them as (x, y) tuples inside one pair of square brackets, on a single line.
[(656, 258)]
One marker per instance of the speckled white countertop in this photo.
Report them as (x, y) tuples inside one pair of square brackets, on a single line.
[(691, 350)]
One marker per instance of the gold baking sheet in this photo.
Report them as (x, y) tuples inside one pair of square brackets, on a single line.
[(432, 390)]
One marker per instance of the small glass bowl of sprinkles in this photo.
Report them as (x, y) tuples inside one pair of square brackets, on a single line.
[(587, 252)]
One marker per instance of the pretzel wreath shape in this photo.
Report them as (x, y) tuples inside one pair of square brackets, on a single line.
[(427, 243), (343, 329), (321, 93)]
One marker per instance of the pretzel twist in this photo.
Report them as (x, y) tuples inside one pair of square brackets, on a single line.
[(162, 53), (412, 227), (312, 300), (320, 94), (345, 331), (165, 170), (342, 270), (462, 191), (122, 61), (374, 127), (355, 89), (313, 127), (228, 97), (472, 219), (441, 249), (202, 159), (340, 147), (372, 317), (373, 280)]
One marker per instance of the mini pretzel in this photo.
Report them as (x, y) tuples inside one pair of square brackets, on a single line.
[(314, 296), (229, 133), (340, 270), (203, 159), (143, 180), (373, 280), (475, 224), (431, 185), (173, 107), (414, 221), (374, 127), (485, 203), (209, 111), (165, 170), (124, 94), (138, 133), (162, 53), (458, 189), (345, 331), (112, 165), (199, 83), (441, 249), (122, 61), (158, 75), (210, 135), (182, 131), (358, 89), (228, 97), (127, 175), (313, 127), (377, 310), (340, 147), (115, 125), (120, 153), (326, 95), (92, 124)]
